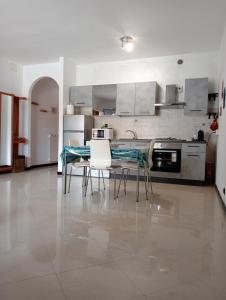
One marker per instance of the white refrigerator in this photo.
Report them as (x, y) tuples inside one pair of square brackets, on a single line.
[(79, 129)]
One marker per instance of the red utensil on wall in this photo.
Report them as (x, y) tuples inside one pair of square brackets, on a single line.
[(214, 124)]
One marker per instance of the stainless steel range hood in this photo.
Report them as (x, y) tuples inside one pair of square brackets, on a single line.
[(171, 98)]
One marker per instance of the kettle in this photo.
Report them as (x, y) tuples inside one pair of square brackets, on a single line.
[(200, 135)]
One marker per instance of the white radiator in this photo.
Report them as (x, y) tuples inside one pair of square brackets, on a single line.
[(53, 147)]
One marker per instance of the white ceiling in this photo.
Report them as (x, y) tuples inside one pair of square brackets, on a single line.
[(89, 30)]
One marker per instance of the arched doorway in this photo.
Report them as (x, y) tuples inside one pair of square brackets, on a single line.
[(44, 121)]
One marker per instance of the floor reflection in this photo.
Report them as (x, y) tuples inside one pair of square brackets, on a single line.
[(176, 239)]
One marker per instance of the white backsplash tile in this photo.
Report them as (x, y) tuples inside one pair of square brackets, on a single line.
[(168, 123)]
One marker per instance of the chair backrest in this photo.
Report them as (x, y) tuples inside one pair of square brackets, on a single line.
[(73, 143), (150, 153), (100, 153)]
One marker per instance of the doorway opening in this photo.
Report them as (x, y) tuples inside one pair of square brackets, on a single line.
[(44, 121)]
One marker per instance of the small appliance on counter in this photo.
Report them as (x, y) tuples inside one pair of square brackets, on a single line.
[(201, 135), (102, 133)]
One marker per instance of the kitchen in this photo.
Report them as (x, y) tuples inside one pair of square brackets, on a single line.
[(136, 110)]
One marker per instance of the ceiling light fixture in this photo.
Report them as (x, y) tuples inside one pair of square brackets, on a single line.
[(127, 43)]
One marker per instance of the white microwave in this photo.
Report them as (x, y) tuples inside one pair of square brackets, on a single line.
[(102, 133)]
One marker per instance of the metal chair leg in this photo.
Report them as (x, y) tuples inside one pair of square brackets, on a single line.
[(69, 184), (87, 183), (114, 185), (98, 180), (102, 173), (122, 176), (150, 181), (145, 183), (126, 179), (91, 182), (84, 177)]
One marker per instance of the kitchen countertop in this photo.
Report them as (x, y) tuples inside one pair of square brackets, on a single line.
[(131, 140), (158, 141)]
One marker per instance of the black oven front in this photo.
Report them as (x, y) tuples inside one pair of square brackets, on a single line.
[(167, 159)]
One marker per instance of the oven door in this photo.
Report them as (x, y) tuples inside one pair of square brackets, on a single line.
[(167, 160)]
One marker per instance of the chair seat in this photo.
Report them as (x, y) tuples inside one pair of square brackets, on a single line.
[(130, 165), (102, 167), (80, 164)]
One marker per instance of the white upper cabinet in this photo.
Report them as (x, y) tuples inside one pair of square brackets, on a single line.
[(145, 98), (196, 96), (81, 95)]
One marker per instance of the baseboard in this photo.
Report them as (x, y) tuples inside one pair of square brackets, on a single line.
[(41, 166), (166, 180), (221, 200), (179, 181)]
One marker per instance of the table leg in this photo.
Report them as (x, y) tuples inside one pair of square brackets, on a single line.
[(114, 185), (65, 173), (138, 183)]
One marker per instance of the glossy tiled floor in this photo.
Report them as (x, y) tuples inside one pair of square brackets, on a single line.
[(52, 247)]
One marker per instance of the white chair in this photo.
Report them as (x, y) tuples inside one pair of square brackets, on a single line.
[(100, 159), (77, 164), (128, 166)]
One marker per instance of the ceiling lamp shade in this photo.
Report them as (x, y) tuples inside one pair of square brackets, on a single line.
[(127, 43)]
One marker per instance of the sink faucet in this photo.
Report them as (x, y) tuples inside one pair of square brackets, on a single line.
[(133, 133)]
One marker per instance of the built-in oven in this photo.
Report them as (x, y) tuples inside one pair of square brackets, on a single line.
[(167, 157)]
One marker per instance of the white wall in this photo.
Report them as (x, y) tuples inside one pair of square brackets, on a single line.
[(31, 74), (68, 73), (10, 77), (44, 125), (164, 70), (63, 72), (221, 147)]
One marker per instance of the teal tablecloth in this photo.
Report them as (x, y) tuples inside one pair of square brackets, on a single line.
[(136, 155)]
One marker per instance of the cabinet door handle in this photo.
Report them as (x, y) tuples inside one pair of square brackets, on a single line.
[(80, 103), (144, 112), (195, 109), (124, 112), (192, 146), (193, 155)]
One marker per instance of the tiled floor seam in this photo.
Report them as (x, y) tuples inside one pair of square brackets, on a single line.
[(29, 278), (132, 282), (61, 286), (84, 268)]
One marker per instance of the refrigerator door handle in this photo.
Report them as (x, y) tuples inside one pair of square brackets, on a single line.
[(74, 131)]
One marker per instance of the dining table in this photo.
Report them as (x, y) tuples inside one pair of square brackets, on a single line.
[(72, 153)]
